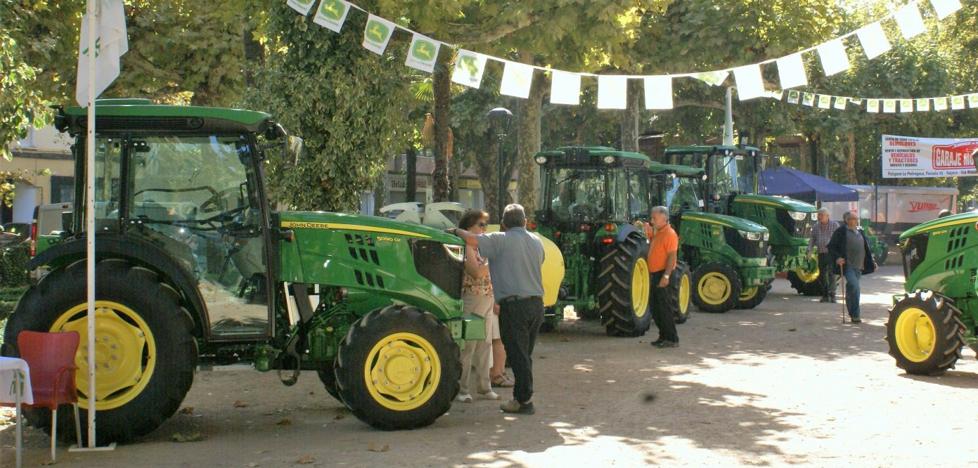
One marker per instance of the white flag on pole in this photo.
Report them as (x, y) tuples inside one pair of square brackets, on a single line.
[(873, 40), (792, 71), (750, 83), (909, 20), (517, 79), (110, 44), (565, 88), (945, 8), (612, 92), (834, 57), (469, 68), (658, 92)]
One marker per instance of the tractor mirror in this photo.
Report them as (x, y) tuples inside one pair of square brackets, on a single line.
[(295, 148)]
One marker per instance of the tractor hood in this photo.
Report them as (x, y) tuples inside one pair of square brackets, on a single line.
[(369, 224), (969, 218), (789, 204), (724, 220)]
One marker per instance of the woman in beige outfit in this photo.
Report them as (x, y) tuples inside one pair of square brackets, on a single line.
[(477, 297)]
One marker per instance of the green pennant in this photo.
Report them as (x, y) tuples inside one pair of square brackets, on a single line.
[(377, 34)]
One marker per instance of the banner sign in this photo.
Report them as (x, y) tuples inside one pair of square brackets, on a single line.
[(912, 157)]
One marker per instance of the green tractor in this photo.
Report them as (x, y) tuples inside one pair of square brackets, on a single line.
[(727, 255), (732, 188), (928, 326), (591, 197), (194, 266)]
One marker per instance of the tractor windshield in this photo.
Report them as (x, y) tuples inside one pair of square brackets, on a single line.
[(589, 195), (733, 174), (683, 194)]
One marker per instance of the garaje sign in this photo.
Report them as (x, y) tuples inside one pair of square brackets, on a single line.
[(907, 157)]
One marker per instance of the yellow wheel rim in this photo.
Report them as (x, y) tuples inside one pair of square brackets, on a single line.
[(640, 288), (125, 353), (915, 334), (807, 276), (402, 371), (748, 293), (714, 288), (684, 292)]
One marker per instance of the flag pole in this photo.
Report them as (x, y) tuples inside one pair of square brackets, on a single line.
[(90, 215)]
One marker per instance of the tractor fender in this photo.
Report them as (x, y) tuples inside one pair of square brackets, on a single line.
[(626, 230), (139, 252)]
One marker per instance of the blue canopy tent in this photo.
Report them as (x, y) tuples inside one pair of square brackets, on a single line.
[(803, 186)]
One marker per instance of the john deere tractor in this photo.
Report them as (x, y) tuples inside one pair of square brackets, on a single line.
[(938, 315), (727, 255), (591, 196), (732, 173), (194, 266)]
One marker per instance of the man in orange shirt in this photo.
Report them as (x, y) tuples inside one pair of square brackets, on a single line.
[(663, 248)]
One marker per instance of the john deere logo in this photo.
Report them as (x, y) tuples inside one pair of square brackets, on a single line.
[(332, 9), (377, 32), (469, 64), (424, 51)]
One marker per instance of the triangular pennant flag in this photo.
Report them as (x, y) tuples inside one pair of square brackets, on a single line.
[(873, 40), (565, 88), (909, 20), (940, 104), (808, 99), (945, 8), (469, 68), (973, 101), (793, 97), (840, 102), (889, 105), (791, 69), (302, 6), (377, 34), (332, 14), (834, 57), (658, 92), (923, 105), (906, 105), (517, 79), (750, 83), (957, 102), (824, 102), (111, 43), (873, 105), (713, 78), (423, 53), (612, 92)]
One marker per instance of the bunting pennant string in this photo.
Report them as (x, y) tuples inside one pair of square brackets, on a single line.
[(876, 105), (613, 89)]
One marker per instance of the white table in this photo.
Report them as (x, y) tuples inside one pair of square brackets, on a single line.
[(15, 387)]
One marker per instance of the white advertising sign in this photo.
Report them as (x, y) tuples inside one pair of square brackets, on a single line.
[(912, 157)]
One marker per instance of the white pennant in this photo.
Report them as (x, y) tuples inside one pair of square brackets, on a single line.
[(906, 105), (750, 83), (923, 105), (612, 92), (957, 102), (834, 57), (377, 34), (423, 53), (302, 6), (517, 79), (712, 78), (840, 102), (909, 20), (873, 105), (565, 88), (945, 8), (940, 104), (808, 99), (873, 40), (824, 102), (469, 68), (332, 14), (791, 69), (973, 101), (658, 92), (793, 97), (889, 105)]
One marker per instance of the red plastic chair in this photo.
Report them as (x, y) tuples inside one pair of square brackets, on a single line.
[(51, 357)]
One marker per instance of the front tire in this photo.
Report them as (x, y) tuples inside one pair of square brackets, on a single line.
[(146, 354), (398, 368), (753, 296), (925, 333), (716, 288), (624, 288), (680, 291), (806, 282)]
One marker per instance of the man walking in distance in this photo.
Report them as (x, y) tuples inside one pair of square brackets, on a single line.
[(663, 247), (819, 242), (515, 265), (850, 251)]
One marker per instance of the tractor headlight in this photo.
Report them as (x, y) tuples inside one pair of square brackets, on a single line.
[(541, 160), (609, 159), (456, 251), (766, 236), (798, 215), (751, 236)]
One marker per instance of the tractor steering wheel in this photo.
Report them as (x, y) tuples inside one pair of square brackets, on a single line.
[(214, 203)]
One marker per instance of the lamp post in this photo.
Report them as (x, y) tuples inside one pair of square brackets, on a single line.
[(499, 120)]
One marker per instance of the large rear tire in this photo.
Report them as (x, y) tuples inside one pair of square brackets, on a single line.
[(681, 286), (146, 354), (624, 291), (398, 368), (925, 333), (716, 287), (327, 376)]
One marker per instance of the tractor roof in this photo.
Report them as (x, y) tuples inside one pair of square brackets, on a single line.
[(680, 171), (595, 152), (115, 114), (710, 149), (967, 219)]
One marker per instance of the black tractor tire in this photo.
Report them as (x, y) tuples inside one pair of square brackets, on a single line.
[(170, 331), (753, 296), (621, 315), (813, 288), (680, 286), (723, 300), (327, 376), (925, 333), (437, 386)]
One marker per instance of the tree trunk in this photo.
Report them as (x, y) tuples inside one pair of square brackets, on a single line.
[(631, 117), (528, 142), (851, 158), (442, 86)]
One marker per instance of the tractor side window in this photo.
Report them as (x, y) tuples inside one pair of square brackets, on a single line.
[(682, 196), (638, 196), (618, 189), (108, 154)]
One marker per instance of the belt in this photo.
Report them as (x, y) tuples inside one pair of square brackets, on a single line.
[(509, 299)]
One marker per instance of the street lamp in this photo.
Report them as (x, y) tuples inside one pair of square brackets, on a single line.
[(499, 120)]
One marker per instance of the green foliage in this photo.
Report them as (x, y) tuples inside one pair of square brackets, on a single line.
[(347, 103), (13, 266)]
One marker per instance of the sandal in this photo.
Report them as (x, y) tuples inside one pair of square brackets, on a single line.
[(503, 381)]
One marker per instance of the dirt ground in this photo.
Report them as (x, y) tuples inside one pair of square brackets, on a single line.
[(785, 383)]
